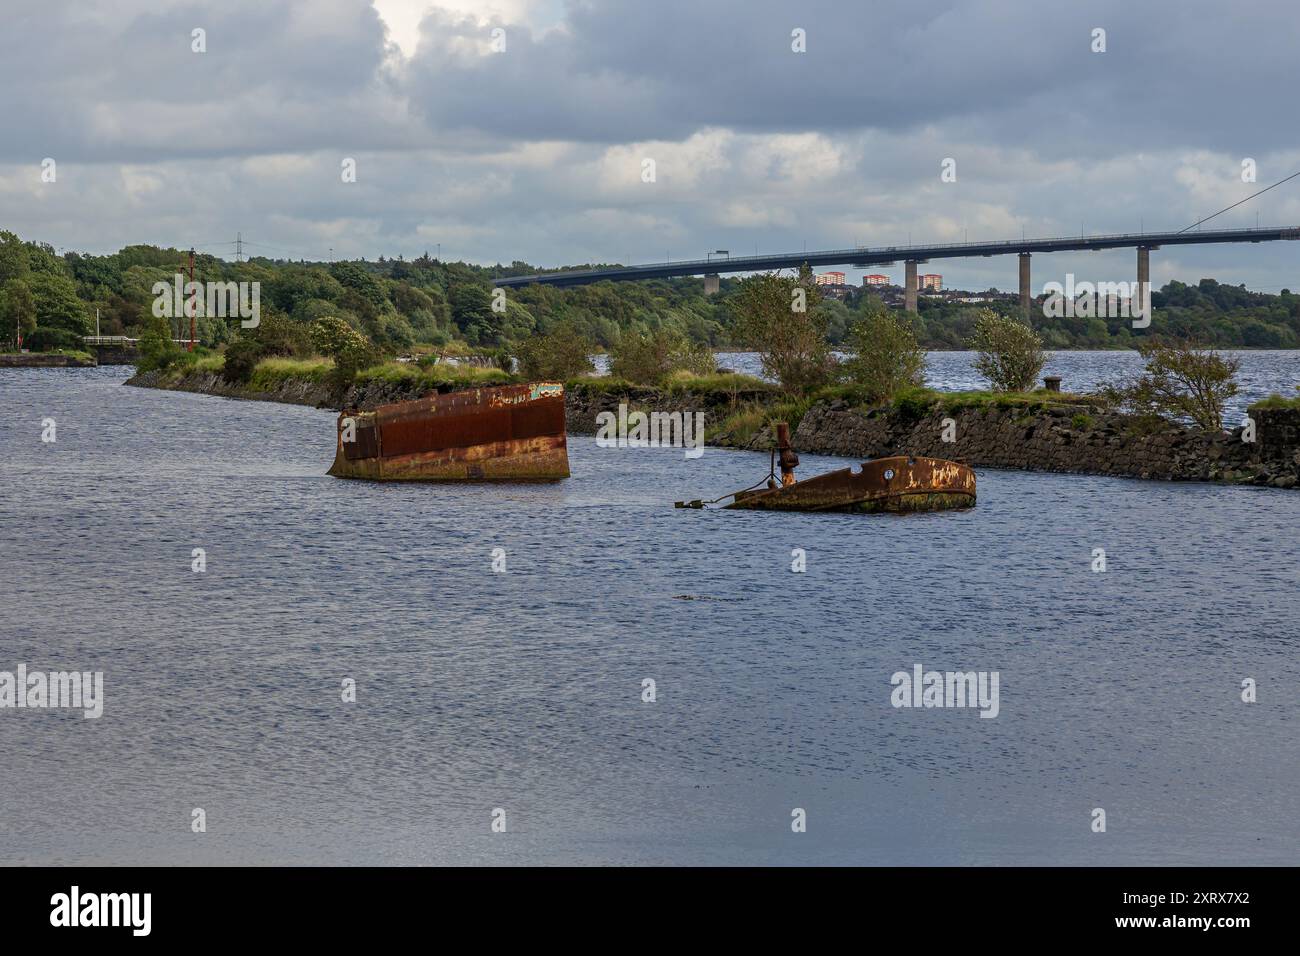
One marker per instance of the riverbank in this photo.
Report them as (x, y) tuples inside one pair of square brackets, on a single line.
[(1038, 431), (46, 360)]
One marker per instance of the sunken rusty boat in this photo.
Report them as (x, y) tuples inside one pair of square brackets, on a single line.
[(506, 433), (899, 483)]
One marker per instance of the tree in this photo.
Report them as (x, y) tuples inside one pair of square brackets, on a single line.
[(1180, 380), (157, 350), (562, 353), (354, 276), (648, 359), (1010, 352), (57, 305), (13, 257), (777, 316), (17, 311), (241, 357), (350, 350), (471, 310), (886, 355)]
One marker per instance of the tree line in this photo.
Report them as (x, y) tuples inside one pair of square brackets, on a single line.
[(423, 304)]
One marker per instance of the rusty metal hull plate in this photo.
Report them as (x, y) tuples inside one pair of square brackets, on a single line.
[(886, 484), (510, 433)]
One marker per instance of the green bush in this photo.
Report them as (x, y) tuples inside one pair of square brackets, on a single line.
[(559, 355), (1181, 381), (886, 356), (649, 359), (158, 352), (48, 339), (242, 357), (350, 350), (778, 317), (1010, 352)]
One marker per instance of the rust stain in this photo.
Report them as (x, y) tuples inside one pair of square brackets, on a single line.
[(509, 433), (900, 483)]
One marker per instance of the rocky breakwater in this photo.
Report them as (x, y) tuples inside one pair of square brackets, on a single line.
[(290, 390), (584, 401), (43, 360), (1078, 436)]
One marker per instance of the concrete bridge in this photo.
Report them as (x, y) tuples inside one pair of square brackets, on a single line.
[(911, 256)]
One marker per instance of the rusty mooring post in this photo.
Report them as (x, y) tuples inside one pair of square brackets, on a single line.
[(788, 459), (1052, 383)]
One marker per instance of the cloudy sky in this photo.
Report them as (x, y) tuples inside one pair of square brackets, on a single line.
[(535, 151)]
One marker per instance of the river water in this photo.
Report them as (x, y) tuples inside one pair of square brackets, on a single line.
[(523, 691)]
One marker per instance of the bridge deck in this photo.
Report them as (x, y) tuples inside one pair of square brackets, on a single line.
[(887, 254)]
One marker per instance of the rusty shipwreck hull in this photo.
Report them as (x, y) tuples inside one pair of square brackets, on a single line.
[(898, 484), (506, 433)]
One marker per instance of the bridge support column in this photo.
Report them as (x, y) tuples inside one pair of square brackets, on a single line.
[(909, 297), (1026, 292), (1144, 286), (711, 284)]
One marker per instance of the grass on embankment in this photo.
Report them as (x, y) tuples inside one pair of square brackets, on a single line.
[(433, 376), (77, 354), (1277, 401), (741, 427), (723, 385), (272, 372)]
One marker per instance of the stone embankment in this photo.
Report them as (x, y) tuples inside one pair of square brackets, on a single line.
[(1073, 435), (1063, 438), (43, 360), (290, 391)]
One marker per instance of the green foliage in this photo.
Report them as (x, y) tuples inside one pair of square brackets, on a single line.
[(741, 427), (13, 257), (431, 377), (778, 317), (403, 306), (558, 355), (273, 371), (647, 359), (294, 286), (717, 383), (52, 340), (913, 404), (886, 356), (1181, 380), (242, 357), (350, 350), (1010, 352), (157, 350), (354, 277), (471, 311), (57, 305), (1278, 401), (17, 311)]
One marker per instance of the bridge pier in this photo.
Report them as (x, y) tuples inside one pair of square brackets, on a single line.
[(909, 297), (1144, 283), (1026, 293), (712, 283)]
